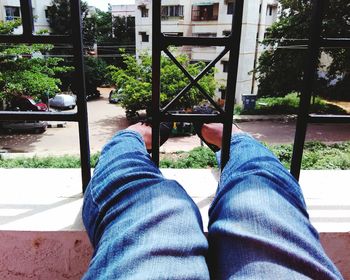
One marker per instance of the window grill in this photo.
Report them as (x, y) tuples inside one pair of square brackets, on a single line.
[(231, 43), (315, 43), (162, 42), (76, 41)]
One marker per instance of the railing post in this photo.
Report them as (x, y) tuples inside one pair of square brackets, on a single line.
[(81, 96), (308, 84), (234, 41), (156, 57)]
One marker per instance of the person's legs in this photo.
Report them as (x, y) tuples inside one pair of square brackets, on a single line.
[(142, 226), (258, 224)]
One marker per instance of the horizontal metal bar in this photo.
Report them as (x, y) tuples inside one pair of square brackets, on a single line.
[(36, 39), (325, 43), (207, 118), (329, 118), (335, 42), (193, 41), (38, 116)]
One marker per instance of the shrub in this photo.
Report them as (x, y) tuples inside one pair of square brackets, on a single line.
[(289, 105)]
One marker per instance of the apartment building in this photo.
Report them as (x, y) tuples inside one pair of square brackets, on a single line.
[(211, 18), (11, 9), (123, 10)]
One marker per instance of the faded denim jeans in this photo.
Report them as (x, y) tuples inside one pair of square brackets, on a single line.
[(144, 226)]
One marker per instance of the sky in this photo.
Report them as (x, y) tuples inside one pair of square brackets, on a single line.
[(103, 4)]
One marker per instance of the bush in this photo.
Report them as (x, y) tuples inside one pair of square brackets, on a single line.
[(289, 104), (199, 157), (46, 162), (316, 156), (135, 82)]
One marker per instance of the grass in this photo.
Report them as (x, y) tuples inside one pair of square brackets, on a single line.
[(288, 105), (316, 156), (46, 162)]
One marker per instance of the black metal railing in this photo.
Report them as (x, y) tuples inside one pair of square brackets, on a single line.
[(315, 43), (231, 45), (75, 39)]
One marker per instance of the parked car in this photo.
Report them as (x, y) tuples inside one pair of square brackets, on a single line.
[(26, 103), (63, 101), (36, 127), (114, 96)]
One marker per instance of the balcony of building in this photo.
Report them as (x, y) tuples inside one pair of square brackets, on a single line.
[(205, 11), (42, 235)]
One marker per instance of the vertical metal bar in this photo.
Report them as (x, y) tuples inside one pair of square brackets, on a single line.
[(27, 17), (81, 98), (309, 79), (235, 39), (156, 53)]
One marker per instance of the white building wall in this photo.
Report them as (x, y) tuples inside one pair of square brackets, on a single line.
[(39, 7), (123, 10), (254, 23)]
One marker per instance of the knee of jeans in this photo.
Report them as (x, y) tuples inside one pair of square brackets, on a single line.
[(255, 198)]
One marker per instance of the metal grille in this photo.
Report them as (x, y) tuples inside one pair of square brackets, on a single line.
[(161, 42), (76, 41), (316, 42)]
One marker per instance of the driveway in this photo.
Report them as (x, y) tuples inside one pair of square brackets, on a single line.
[(104, 120)]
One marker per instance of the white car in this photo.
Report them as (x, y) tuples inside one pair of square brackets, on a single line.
[(63, 101)]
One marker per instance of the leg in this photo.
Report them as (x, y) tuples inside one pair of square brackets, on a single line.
[(142, 226), (259, 227)]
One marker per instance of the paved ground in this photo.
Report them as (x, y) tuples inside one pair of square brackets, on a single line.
[(105, 119)]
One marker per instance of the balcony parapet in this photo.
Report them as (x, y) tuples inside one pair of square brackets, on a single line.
[(42, 235)]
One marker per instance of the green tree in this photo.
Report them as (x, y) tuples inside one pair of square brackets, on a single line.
[(134, 83), (60, 22), (280, 69), (23, 74), (124, 30), (103, 27)]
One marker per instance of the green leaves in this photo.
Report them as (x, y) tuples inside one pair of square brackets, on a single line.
[(21, 74), (280, 70), (135, 82), (7, 27)]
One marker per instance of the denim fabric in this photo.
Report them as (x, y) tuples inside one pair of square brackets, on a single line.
[(144, 226)]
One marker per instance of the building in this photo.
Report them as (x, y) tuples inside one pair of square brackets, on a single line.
[(11, 9), (123, 10), (212, 18)]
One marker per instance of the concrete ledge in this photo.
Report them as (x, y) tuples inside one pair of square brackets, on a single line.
[(42, 235)]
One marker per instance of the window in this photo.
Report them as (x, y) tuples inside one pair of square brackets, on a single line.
[(12, 12), (205, 12), (47, 12), (172, 11), (224, 66), (205, 35), (269, 10), (144, 37), (144, 11), (230, 8)]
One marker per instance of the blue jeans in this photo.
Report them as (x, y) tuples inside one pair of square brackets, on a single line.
[(144, 226)]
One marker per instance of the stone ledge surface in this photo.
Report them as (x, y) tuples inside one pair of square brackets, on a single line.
[(42, 235)]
